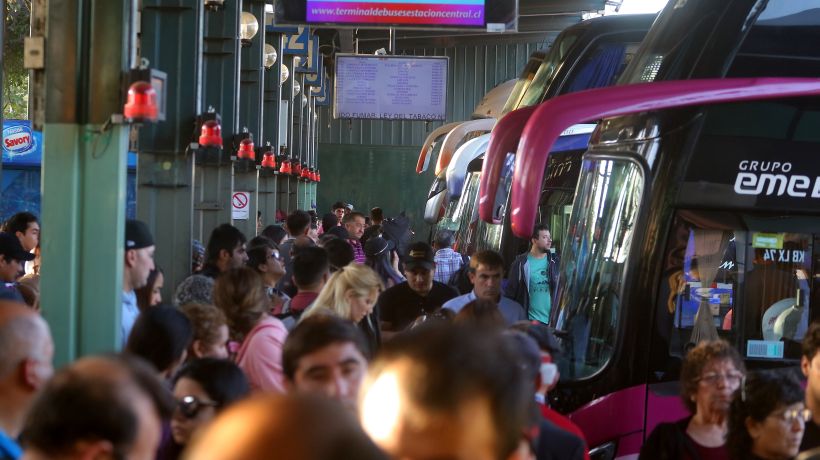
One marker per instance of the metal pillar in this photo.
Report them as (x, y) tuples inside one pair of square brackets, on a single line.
[(251, 95), (220, 79), (270, 130), (90, 44), (289, 184), (165, 165)]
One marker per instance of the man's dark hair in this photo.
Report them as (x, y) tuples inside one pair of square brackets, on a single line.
[(351, 216), (489, 259), (19, 222), (309, 265), (259, 248), (444, 239), (376, 214), (85, 402), (453, 365), (338, 205), (297, 222), (339, 253), (315, 333), (538, 229), (223, 380), (160, 335), (811, 342), (274, 233), (226, 237)]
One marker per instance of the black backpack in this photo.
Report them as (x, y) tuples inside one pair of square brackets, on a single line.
[(459, 279)]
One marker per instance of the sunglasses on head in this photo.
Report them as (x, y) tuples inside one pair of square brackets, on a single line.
[(189, 406)]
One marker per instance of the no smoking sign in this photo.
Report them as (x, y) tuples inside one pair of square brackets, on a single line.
[(240, 205)]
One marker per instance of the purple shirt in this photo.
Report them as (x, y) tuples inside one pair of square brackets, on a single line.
[(358, 251)]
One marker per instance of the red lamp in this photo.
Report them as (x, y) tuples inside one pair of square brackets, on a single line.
[(285, 168), (245, 150), (297, 168), (268, 160), (318, 176), (142, 103), (305, 174), (211, 134)]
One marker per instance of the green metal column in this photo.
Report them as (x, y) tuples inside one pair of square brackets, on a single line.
[(270, 127), (165, 163), (288, 183), (251, 94), (89, 46), (220, 80)]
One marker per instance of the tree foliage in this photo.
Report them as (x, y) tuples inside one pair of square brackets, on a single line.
[(15, 77)]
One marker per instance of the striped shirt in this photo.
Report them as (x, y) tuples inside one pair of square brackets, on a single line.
[(358, 250)]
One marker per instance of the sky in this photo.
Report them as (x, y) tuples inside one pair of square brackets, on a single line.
[(641, 6)]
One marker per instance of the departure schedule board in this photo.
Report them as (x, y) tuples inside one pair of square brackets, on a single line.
[(390, 87)]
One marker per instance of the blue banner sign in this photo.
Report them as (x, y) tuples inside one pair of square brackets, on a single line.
[(324, 98), (311, 64), (297, 42), (316, 79)]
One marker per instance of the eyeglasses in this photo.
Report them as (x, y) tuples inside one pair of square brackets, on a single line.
[(789, 416), (275, 255), (189, 406), (711, 378)]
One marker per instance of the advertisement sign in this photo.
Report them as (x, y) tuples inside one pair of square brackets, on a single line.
[(415, 12), (390, 87), (21, 144)]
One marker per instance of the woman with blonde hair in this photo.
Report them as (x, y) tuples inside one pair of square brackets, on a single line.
[(351, 293), (240, 294)]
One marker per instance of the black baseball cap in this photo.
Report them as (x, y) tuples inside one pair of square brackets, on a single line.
[(11, 248), (137, 235), (377, 245), (420, 254)]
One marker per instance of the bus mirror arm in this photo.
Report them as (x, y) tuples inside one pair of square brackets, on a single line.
[(503, 140), (558, 113)]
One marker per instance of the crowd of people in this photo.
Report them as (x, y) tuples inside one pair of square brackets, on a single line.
[(342, 338)]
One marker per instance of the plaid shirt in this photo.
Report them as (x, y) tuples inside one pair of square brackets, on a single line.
[(358, 251), (447, 263)]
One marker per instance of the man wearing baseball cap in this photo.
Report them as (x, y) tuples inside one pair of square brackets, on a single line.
[(420, 295), (139, 261)]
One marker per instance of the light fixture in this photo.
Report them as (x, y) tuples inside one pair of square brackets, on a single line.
[(214, 5), (285, 168), (296, 88), (142, 103), (297, 168), (268, 160), (285, 74), (305, 174), (270, 55), (246, 149), (211, 134), (304, 101), (248, 27), (318, 176)]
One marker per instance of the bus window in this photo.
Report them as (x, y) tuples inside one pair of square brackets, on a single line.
[(736, 277), (592, 273)]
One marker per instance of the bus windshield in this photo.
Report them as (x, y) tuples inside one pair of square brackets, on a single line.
[(594, 262), (546, 72), (466, 215), (523, 82)]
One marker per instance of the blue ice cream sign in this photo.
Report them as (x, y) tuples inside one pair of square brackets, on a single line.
[(21, 144)]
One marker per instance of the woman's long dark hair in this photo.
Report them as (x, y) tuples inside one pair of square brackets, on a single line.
[(380, 263)]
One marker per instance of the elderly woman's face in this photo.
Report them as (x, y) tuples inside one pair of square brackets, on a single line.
[(716, 384), (780, 433)]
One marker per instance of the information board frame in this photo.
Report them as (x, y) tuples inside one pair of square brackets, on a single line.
[(337, 92)]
